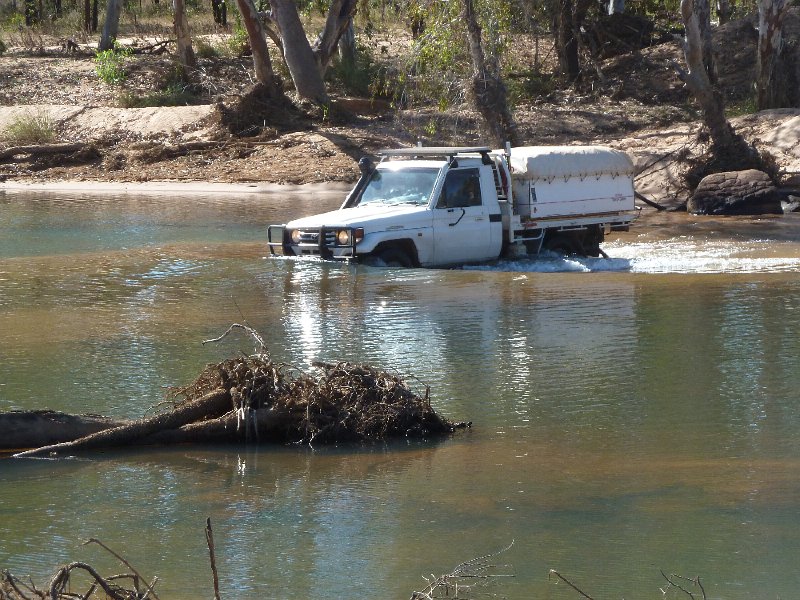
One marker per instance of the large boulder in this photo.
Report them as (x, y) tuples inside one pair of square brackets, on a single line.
[(749, 192)]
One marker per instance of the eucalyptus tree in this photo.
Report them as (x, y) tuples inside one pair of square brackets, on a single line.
[(186, 54), (727, 145), (262, 65), (307, 64), (771, 88), (488, 92), (111, 25)]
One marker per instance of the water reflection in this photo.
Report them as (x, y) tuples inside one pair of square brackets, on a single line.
[(623, 421)]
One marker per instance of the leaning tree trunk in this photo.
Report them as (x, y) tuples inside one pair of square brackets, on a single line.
[(111, 26), (297, 52), (770, 86), (181, 23), (488, 90), (726, 142), (340, 18), (258, 45)]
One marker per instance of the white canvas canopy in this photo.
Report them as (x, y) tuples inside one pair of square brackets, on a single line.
[(549, 162)]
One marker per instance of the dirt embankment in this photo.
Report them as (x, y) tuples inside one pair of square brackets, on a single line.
[(648, 114)]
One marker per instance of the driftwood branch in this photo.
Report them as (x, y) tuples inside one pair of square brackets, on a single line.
[(262, 346), (649, 202), (463, 577)]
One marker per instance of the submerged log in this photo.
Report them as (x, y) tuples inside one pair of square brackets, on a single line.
[(213, 404), (34, 428)]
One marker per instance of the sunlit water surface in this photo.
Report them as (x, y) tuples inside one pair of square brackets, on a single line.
[(631, 414)]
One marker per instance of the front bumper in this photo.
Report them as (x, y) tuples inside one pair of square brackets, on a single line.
[(321, 242)]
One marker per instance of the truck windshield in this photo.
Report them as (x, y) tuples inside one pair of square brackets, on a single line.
[(401, 186)]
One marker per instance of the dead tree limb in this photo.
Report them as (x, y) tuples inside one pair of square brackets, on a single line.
[(570, 584), (136, 576), (213, 404), (649, 202), (695, 581), (269, 423), (210, 542), (59, 582)]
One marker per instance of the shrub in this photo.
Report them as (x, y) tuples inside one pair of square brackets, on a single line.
[(109, 65), (2, 47), (30, 129)]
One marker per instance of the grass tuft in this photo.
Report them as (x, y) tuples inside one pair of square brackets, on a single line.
[(30, 129)]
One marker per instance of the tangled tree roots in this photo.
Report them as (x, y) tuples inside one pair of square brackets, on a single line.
[(346, 403), (253, 398)]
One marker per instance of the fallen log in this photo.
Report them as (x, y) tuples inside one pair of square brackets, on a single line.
[(34, 428), (35, 150), (213, 404)]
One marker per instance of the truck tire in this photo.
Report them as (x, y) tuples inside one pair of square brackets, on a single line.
[(394, 257), (561, 244)]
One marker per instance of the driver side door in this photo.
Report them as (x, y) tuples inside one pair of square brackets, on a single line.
[(461, 231)]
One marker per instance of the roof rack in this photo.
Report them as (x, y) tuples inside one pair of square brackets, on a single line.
[(428, 151)]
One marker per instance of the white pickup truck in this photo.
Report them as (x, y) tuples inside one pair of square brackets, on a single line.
[(435, 207)]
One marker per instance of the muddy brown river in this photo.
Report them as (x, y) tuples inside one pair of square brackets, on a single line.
[(631, 415)]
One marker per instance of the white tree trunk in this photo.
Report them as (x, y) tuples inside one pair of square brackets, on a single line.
[(771, 14), (111, 26), (183, 35), (616, 7)]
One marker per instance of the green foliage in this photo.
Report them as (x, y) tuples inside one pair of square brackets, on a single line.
[(743, 106), (30, 129), (362, 78), (109, 64), (14, 21), (239, 41), (441, 59)]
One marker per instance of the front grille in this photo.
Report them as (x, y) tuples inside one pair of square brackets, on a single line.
[(310, 237)]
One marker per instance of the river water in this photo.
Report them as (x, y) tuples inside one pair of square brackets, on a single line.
[(630, 415)]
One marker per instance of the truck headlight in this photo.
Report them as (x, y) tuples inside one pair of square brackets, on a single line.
[(344, 238), (295, 235), (349, 237)]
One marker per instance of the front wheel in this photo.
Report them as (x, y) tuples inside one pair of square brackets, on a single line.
[(390, 257)]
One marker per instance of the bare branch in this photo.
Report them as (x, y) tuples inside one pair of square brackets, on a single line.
[(127, 564), (570, 584)]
